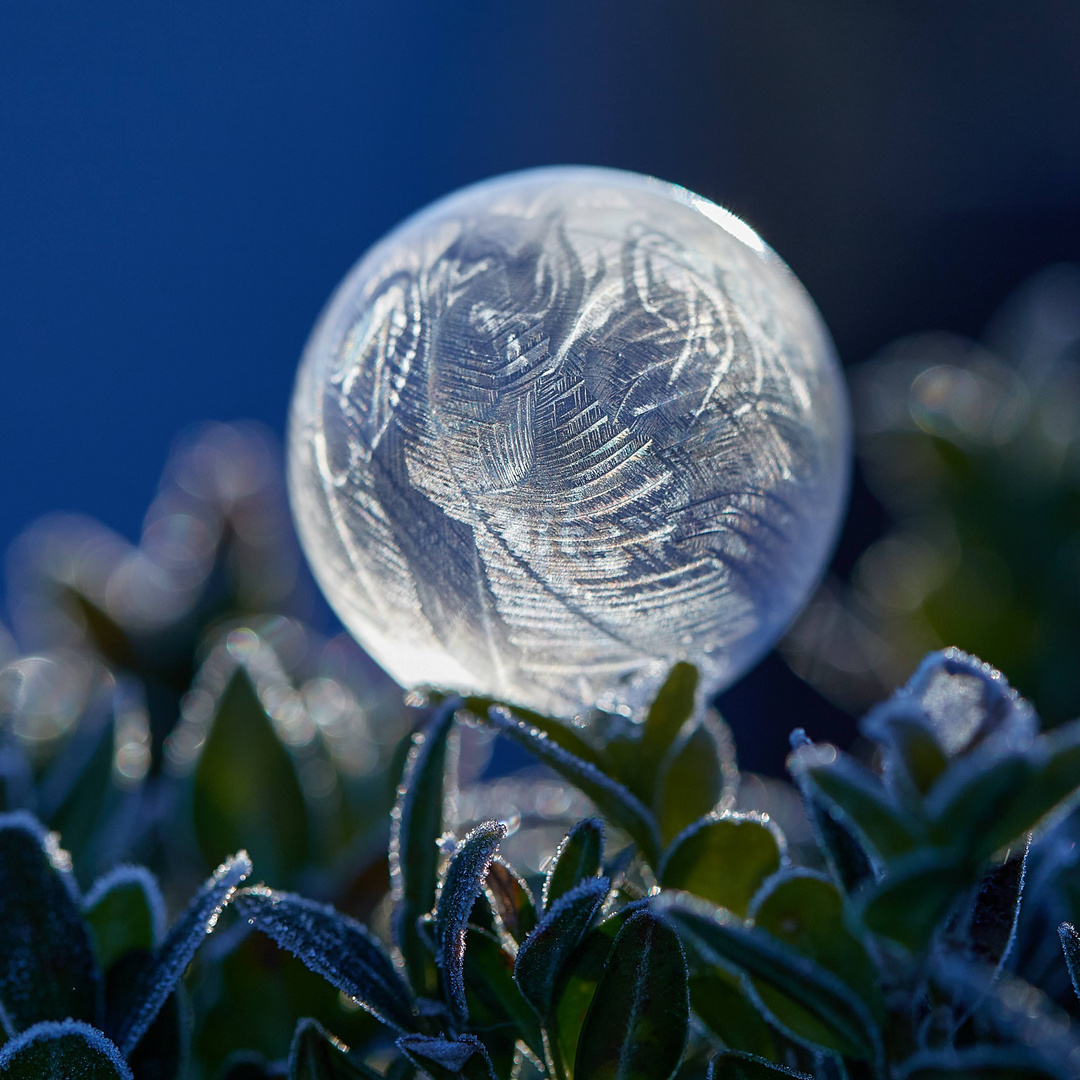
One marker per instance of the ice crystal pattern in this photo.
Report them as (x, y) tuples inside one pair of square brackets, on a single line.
[(561, 429)]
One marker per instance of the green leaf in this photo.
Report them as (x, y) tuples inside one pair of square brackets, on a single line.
[(448, 1059), (317, 1055), (804, 998), (987, 934), (915, 897), (806, 911), (416, 823), (724, 858), (65, 1050), (493, 996), (638, 1022), (458, 890), (731, 1065), (844, 853), (671, 708), (159, 976), (246, 791), (47, 965), (861, 799), (511, 902), (334, 946), (1070, 945), (718, 1000), (690, 782), (124, 911), (577, 858), (544, 952), (610, 797)]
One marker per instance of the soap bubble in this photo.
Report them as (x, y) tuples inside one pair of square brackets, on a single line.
[(562, 429)]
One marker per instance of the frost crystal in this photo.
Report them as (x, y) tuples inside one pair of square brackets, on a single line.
[(562, 429)]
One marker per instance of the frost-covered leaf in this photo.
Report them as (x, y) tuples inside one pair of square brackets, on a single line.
[(124, 910), (724, 858), (637, 1024), (47, 965), (720, 1002), (579, 978), (334, 946), (958, 699), (160, 975), (544, 952), (460, 886), (493, 996), (577, 857), (1070, 945), (804, 998), (861, 798), (690, 782), (448, 1059), (246, 791), (511, 901), (806, 911), (915, 897), (317, 1055), (990, 927), (979, 1063), (845, 856), (416, 823), (610, 797), (62, 1050), (556, 730), (670, 709), (732, 1065), (989, 800)]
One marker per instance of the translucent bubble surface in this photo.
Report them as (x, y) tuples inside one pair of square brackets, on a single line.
[(561, 429)]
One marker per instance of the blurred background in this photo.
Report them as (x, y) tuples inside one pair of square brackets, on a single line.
[(182, 188)]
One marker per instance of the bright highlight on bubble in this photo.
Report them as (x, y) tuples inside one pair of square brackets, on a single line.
[(562, 429)]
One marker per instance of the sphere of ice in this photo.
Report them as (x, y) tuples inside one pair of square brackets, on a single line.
[(561, 429)]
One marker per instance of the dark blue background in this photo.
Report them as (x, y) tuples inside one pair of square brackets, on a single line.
[(182, 185)]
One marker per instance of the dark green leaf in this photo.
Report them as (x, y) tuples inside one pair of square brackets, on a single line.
[(458, 890), (416, 824), (544, 952), (844, 853), (334, 946), (246, 791), (805, 998), (162, 1052), (125, 911), (861, 799), (610, 797), (915, 897), (47, 965), (161, 974), (1070, 944), (723, 858), (447, 1059), (719, 1001), (494, 997), (991, 924), (316, 1055), (690, 782), (511, 902), (577, 857), (637, 1024), (731, 1065), (64, 1050), (806, 911), (671, 708)]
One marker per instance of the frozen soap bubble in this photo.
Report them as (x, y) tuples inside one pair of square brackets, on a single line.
[(561, 429)]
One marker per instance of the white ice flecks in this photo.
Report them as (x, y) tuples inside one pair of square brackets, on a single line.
[(562, 429)]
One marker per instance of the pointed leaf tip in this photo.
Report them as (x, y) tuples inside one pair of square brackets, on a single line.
[(461, 885), (334, 946), (577, 858), (164, 969)]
